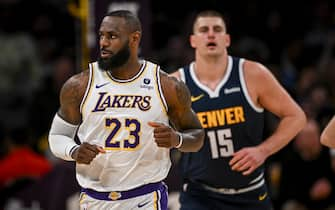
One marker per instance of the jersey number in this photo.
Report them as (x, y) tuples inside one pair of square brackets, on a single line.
[(221, 143), (133, 126)]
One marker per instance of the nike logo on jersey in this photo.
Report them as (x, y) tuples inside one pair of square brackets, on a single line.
[(140, 205), (231, 90), (99, 86), (262, 197), (196, 98)]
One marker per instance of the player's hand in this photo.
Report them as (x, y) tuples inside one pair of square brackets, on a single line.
[(247, 160), (86, 152), (164, 135)]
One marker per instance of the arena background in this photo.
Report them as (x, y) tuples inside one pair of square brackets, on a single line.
[(44, 42)]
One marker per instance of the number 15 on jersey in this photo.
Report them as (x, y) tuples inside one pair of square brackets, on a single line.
[(221, 143)]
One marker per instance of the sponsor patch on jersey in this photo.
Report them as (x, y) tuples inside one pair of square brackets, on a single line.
[(232, 90), (146, 81), (146, 84)]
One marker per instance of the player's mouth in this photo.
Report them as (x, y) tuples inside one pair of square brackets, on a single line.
[(211, 45), (105, 53)]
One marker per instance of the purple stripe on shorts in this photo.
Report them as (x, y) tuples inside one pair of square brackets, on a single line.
[(163, 198), (121, 195)]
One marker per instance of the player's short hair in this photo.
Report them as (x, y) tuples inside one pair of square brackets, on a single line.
[(132, 21), (209, 13)]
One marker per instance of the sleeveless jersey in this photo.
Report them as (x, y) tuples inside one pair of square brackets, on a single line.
[(115, 115), (231, 122)]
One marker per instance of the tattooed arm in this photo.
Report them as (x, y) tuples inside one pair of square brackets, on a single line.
[(181, 117), (66, 121), (71, 95)]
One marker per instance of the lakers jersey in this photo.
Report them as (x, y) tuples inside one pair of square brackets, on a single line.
[(231, 122), (115, 115)]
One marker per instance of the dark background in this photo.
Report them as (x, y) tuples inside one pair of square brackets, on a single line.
[(42, 42)]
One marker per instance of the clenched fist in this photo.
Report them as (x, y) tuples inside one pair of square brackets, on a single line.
[(86, 152), (164, 135)]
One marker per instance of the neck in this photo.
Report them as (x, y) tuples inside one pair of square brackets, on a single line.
[(127, 70), (211, 68)]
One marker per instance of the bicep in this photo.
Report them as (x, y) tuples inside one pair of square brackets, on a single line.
[(70, 98), (180, 111)]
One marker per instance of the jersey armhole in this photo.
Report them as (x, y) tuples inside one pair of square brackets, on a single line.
[(88, 87), (182, 74), (160, 91), (245, 89)]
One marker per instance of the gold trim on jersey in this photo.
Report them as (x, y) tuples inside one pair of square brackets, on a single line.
[(139, 74), (155, 200), (159, 90), (82, 197), (88, 89)]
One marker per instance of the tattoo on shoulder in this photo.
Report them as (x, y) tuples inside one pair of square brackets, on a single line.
[(183, 94), (74, 88)]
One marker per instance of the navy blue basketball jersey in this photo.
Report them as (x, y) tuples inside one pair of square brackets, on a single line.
[(231, 122)]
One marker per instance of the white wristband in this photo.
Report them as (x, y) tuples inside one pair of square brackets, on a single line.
[(180, 140)]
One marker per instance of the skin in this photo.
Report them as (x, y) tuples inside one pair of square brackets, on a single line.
[(328, 134), (210, 41), (307, 144), (114, 34)]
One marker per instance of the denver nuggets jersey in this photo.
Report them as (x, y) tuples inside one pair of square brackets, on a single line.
[(231, 122), (115, 114)]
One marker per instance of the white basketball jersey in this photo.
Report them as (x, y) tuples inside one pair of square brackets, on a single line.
[(115, 115)]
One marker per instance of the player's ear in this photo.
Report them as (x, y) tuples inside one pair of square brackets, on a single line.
[(192, 41), (227, 40), (135, 38)]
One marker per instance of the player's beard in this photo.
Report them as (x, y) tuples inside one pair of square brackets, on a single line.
[(116, 60)]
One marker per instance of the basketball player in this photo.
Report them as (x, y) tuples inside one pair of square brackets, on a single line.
[(328, 134), (229, 95), (121, 110)]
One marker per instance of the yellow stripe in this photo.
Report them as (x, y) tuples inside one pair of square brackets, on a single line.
[(82, 198), (159, 90), (155, 200), (88, 92)]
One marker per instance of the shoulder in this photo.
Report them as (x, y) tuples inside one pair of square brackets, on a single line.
[(180, 72), (173, 88), (169, 81), (75, 86), (256, 70), (260, 81)]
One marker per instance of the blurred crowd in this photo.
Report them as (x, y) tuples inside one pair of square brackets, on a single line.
[(38, 53)]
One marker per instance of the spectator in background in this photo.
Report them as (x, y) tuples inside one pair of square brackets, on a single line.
[(21, 165), (20, 68), (307, 179), (46, 100)]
